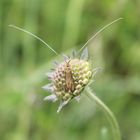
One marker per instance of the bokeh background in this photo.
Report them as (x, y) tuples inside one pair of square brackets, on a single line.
[(67, 25)]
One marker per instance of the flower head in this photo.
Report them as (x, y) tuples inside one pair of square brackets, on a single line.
[(69, 79)]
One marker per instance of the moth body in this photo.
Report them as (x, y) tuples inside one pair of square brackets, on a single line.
[(68, 78)]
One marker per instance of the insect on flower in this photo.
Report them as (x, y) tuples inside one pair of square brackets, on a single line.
[(71, 76)]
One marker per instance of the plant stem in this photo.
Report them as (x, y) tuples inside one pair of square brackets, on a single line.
[(108, 112)]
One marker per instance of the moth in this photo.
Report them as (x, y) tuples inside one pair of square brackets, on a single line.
[(68, 78), (68, 74), (70, 88)]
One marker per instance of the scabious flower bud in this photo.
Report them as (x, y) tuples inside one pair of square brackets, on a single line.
[(69, 79)]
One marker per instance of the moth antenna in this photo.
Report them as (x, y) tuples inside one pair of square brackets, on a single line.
[(23, 30), (102, 29)]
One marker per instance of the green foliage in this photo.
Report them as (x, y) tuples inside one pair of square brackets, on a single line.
[(67, 25)]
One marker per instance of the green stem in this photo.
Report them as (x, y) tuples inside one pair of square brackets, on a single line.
[(108, 112)]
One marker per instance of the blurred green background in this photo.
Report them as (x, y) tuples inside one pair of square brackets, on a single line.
[(67, 25)]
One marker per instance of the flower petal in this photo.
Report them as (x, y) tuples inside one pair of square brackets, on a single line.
[(48, 87), (94, 71), (84, 54), (62, 104), (52, 98), (66, 57), (74, 54), (56, 63), (77, 98), (50, 75)]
